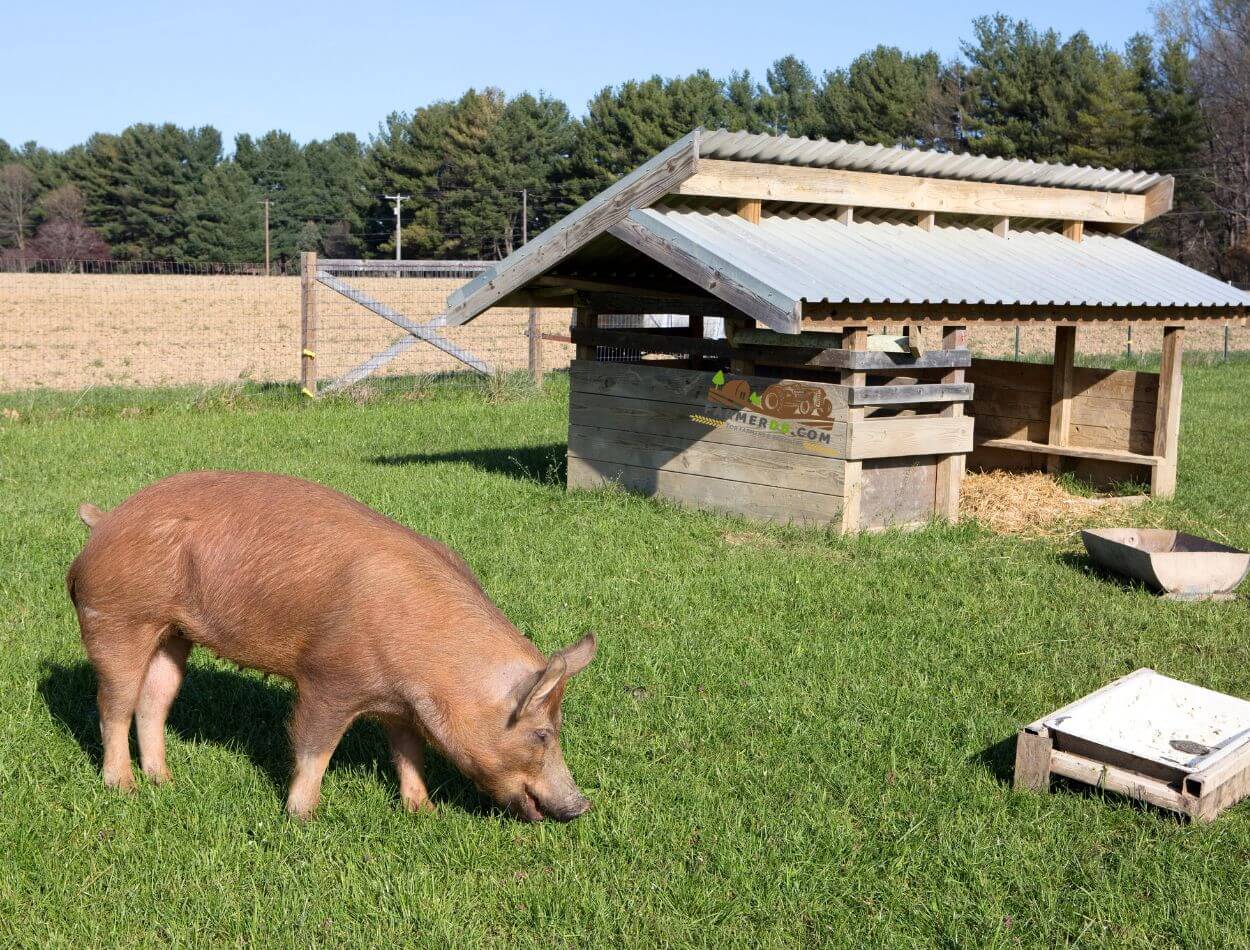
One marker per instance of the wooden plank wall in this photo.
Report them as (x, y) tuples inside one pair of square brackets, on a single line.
[(630, 424), (898, 491), (1110, 409)]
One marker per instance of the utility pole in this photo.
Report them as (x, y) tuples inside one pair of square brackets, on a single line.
[(399, 200), (266, 236)]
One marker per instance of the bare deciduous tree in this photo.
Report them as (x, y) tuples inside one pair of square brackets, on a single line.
[(64, 236), (69, 243), (1217, 33), (18, 188), (65, 203)]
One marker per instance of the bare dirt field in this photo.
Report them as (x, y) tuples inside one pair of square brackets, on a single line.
[(66, 331), (70, 331)]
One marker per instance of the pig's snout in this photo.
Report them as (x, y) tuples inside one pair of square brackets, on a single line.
[(533, 807), (571, 810)]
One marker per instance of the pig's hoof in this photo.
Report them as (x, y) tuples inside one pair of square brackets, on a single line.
[(159, 776), (123, 782), (417, 807), (301, 811)]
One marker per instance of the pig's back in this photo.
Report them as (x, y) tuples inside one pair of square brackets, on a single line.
[(260, 568)]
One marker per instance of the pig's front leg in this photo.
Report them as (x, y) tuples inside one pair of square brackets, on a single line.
[(317, 725), (408, 753)]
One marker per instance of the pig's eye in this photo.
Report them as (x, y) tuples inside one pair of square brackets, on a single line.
[(542, 735)]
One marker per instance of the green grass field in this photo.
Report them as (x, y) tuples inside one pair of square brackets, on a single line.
[(790, 738)]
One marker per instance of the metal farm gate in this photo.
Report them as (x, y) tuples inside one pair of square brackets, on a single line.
[(336, 275)]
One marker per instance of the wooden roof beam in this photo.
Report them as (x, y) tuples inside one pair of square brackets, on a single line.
[(734, 286), (644, 185), (715, 178)]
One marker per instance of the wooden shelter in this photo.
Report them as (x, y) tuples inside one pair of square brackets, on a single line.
[(811, 409)]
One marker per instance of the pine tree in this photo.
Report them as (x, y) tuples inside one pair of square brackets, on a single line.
[(338, 190), (137, 183), (1111, 122), (627, 125), (225, 218), (405, 157), (890, 97), (278, 169), (1024, 88), (787, 103)]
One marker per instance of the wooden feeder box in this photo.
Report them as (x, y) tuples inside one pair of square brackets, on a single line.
[(1159, 740)]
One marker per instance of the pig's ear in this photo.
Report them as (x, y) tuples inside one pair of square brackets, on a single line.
[(579, 655), (549, 681)]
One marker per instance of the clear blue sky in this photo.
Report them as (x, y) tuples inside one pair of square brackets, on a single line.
[(315, 68)]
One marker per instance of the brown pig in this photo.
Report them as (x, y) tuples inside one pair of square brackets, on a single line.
[(364, 616)]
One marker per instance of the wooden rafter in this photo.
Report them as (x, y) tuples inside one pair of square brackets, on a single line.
[(638, 189)]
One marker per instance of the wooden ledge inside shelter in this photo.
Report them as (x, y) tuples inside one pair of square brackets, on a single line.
[(1108, 426)]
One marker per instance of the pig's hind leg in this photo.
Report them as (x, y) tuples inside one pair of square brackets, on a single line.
[(160, 687), (317, 725), (408, 753)]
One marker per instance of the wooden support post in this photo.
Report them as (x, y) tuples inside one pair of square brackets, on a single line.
[(845, 214), (1002, 227), (738, 364), (308, 323), (925, 220), (950, 468), (1074, 230), (1033, 759), (1061, 394), (915, 338), (1168, 413), (535, 348), (586, 319), (696, 331), (853, 338), (750, 209)]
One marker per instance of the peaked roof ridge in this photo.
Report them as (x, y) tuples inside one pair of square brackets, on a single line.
[(923, 162)]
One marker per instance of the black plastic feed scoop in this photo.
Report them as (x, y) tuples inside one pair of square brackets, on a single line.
[(1181, 566)]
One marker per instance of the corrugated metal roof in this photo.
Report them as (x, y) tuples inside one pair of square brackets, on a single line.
[(789, 258), (858, 156)]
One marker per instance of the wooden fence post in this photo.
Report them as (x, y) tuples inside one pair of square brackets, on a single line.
[(586, 319), (950, 468), (1061, 394), (853, 338), (308, 323), (536, 347), (1168, 414)]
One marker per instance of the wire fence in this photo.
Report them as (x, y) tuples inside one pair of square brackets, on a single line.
[(156, 323), (69, 325), (349, 334)]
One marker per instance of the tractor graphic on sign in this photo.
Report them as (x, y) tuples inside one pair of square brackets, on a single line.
[(790, 401)]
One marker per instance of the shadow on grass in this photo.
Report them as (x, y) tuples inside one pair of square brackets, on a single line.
[(1084, 564), (544, 464), (999, 760), (249, 715)]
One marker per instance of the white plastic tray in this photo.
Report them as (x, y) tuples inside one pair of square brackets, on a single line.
[(1158, 719)]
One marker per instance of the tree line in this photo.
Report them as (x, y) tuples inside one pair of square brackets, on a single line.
[(1173, 102)]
